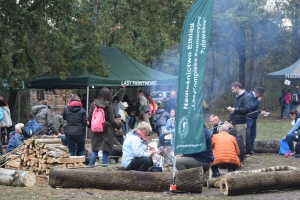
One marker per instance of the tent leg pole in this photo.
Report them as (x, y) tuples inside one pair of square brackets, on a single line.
[(19, 117), (87, 107)]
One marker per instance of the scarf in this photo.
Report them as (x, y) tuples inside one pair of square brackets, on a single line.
[(75, 103), (141, 135)]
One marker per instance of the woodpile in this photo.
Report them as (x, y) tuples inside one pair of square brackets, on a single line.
[(39, 154)]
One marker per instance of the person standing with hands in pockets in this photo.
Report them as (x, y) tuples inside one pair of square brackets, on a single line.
[(256, 97)]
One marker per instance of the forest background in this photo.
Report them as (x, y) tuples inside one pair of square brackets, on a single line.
[(249, 38)]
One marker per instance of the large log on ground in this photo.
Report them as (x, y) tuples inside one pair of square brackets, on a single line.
[(17, 177), (245, 183), (266, 146), (186, 180), (216, 181)]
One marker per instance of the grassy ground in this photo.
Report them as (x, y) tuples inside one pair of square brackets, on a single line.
[(270, 127)]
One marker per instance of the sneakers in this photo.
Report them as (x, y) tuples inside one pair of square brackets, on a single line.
[(289, 154)]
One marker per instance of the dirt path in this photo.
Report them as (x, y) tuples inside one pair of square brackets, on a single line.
[(43, 191)]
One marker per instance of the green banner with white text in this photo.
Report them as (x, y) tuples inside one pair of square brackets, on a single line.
[(189, 136)]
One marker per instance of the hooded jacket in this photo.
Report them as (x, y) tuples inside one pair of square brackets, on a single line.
[(104, 141), (161, 117), (76, 120), (43, 117)]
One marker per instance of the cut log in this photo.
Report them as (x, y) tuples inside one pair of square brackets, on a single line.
[(236, 183), (58, 146), (48, 141), (186, 180), (216, 181), (13, 163), (17, 178), (266, 146)]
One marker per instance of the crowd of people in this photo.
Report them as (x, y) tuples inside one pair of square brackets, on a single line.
[(129, 122)]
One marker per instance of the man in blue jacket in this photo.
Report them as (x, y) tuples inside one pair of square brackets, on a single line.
[(256, 97), (16, 138)]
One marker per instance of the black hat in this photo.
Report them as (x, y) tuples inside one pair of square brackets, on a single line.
[(259, 90)]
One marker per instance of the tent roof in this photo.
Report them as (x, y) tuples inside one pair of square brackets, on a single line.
[(291, 72), (123, 70)]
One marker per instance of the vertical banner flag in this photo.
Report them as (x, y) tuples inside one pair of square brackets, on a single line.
[(189, 136)]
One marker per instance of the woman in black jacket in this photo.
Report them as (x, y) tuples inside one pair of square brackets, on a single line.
[(75, 115)]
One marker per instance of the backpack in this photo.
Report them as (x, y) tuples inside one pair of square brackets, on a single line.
[(295, 98), (98, 122), (32, 127)]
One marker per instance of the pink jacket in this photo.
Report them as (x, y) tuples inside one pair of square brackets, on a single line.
[(288, 98)]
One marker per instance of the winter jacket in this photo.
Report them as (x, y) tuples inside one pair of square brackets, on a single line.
[(254, 106), (104, 141), (161, 117), (171, 126), (142, 102), (296, 126), (204, 156), (215, 129), (240, 142), (225, 149), (58, 121), (1, 114), (133, 146), (288, 98), (43, 117), (242, 105), (15, 141), (6, 121), (76, 120), (171, 104)]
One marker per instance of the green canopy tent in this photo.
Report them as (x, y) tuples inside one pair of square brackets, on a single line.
[(291, 72), (124, 70)]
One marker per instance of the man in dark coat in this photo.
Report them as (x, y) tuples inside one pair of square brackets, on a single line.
[(171, 104), (241, 107), (256, 97)]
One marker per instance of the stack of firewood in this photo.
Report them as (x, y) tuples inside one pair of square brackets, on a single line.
[(41, 153)]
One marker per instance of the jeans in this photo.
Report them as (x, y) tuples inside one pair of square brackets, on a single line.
[(104, 158), (140, 164), (183, 163), (290, 138), (127, 124), (76, 143), (160, 130), (287, 111), (251, 129)]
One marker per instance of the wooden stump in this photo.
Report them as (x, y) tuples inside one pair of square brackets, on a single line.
[(186, 180), (17, 178), (245, 183), (266, 146)]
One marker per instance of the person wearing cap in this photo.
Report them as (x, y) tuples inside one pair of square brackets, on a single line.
[(256, 97)]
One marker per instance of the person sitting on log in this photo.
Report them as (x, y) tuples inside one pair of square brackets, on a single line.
[(294, 133), (16, 138), (136, 155), (238, 138), (118, 141), (226, 151), (43, 117), (204, 158)]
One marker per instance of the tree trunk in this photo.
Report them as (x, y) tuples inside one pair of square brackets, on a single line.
[(186, 180), (266, 146), (17, 178), (257, 182)]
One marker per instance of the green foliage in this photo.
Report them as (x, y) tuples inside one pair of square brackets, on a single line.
[(40, 36)]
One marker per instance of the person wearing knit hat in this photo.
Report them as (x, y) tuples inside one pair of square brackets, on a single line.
[(256, 97)]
